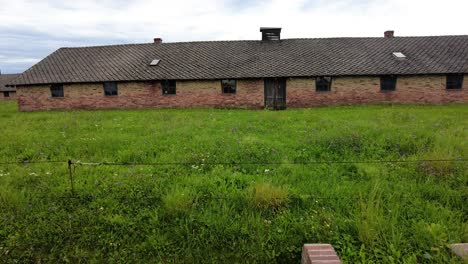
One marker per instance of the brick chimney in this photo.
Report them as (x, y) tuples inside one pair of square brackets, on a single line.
[(389, 33), (270, 33), (157, 40)]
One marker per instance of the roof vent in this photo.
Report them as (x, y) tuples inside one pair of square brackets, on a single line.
[(158, 40), (399, 55), (155, 62), (270, 33)]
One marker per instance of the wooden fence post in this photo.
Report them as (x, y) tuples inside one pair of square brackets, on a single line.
[(71, 176)]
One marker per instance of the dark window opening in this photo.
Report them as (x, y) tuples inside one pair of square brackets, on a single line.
[(229, 86), (56, 90), (6, 94), (454, 81), (388, 82), (169, 87), (110, 89), (323, 84)]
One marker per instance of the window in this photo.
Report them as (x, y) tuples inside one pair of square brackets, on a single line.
[(6, 94), (169, 87), (56, 90), (155, 62), (110, 89), (454, 81), (399, 55), (388, 82), (323, 84), (228, 86)]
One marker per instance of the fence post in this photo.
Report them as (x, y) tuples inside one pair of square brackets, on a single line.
[(71, 176)]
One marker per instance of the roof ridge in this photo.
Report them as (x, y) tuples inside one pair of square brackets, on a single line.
[(251, 40), (10, 74), (395, 37), (150, 43)]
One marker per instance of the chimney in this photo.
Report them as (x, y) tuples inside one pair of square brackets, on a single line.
[(157, 40), (389, 33), (270, 33)]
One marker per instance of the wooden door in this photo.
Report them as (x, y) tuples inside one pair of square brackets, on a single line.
[(275, 93)]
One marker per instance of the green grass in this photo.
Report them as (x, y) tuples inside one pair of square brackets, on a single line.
[(206, 213)]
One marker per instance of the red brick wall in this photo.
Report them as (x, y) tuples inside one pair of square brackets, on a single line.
[(143, 95), (429, 89), (319, 254), (300, 93)]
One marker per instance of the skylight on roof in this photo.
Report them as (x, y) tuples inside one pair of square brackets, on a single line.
[(155, 62), (399, 55)]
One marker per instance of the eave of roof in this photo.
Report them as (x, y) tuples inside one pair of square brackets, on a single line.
[(8, 89), (6, 80)]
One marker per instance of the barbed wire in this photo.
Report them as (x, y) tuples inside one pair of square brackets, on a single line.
[(290, 197), (25, 162), (72, 165), (261, 163), (228, 163)]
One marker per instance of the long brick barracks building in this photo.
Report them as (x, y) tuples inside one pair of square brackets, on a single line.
[(270, 73)]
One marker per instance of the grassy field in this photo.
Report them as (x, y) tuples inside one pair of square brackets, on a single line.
[(228, 213)]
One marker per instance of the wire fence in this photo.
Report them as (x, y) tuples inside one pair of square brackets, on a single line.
[(227, 163), (291, 197), (73, 164), (24, 162)]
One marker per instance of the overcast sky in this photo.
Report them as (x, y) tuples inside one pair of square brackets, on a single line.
[(32, 29)]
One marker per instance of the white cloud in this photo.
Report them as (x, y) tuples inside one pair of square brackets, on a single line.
[(20, 60), (71, 23), (211, 19)]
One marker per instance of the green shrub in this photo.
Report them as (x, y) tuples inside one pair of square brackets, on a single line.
[(370, 219), (178, 201), (438, 168), (405, 144), (344, 142), (268, 196), (11, 201)]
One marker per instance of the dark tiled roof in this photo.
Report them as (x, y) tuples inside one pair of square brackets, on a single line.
[(251, 59), (5, 80)]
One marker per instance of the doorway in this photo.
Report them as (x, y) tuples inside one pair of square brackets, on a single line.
[(275, 93)]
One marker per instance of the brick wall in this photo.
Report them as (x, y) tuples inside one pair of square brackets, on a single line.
[(11, 98), (319, 254), (143, 95), (428, 89), (300, 93)]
